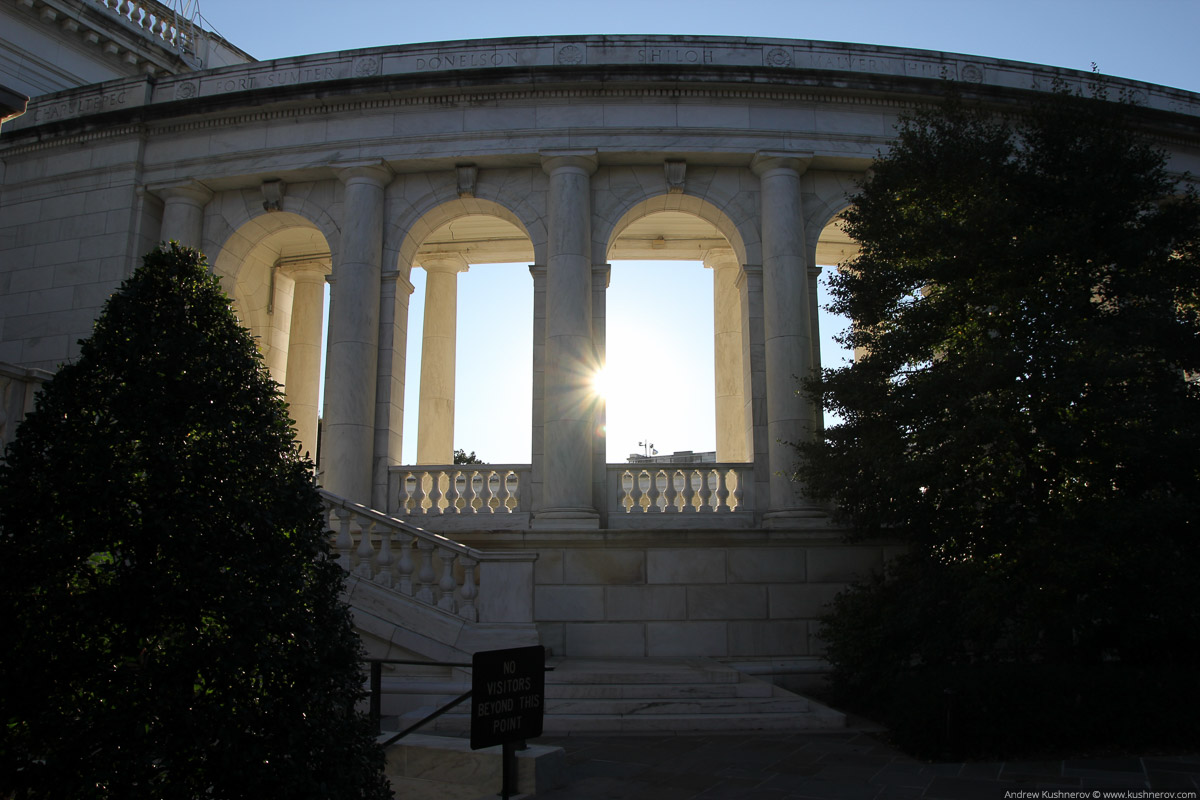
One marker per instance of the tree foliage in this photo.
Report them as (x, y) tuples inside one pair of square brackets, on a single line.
[(461, 457), (1024, 415), (172, 613)]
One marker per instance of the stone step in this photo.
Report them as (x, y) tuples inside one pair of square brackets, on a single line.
[(649, 695), (624, 691), (704, 705), (640, 671)]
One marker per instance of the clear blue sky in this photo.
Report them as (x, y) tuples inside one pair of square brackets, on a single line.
[(663, 312)]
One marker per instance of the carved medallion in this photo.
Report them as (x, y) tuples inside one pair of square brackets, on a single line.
[(571, 54), (971, 73), (185, 90), (778, 57), (367, 66)]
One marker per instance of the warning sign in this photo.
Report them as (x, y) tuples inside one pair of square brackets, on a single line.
[(508, 690)]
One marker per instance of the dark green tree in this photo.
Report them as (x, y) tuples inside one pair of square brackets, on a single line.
[(461, 457), (172, 619), (1025, 418)]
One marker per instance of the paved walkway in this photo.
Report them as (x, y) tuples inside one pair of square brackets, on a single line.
[(844, 765)]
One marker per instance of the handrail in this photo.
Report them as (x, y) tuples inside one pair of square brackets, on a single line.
[(377, 693), (334, 501), (440, 573)]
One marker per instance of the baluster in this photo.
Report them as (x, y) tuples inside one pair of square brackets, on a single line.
[(383, 564), (447, 584), (405, 566), (512, 491), (344, 543), (468, 593), (407, 489), (458, 482), (689, 491), (642, 498), (670, 493), (493, 481), (737, 491), (366, 549), (655, 493), (706, 491), (435, 492), (478, 479), (425, 575), (723, 490)]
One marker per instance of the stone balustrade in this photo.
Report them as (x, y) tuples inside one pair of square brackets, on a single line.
[(157, 20), (481, 491), (18, 385), (478, 586), (686, 493)]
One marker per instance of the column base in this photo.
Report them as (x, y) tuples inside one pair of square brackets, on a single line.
[(575, 519)]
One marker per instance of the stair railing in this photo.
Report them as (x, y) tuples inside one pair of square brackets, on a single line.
[(476, 585)]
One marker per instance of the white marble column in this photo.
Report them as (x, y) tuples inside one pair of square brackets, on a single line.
[(303, 387), (352, 354), (183, 212), (754, 378), (569, 350), (537, 430), (727, 355), (601, 276), (435, 415), (389, 389), (787, 329)]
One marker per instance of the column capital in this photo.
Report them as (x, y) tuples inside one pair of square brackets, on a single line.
[(310, 268), (749, 272), (580, 160), (601, 275), (443, 262), (374, 170), (720, 258), (395, 277), (189, 190), (768, 161)]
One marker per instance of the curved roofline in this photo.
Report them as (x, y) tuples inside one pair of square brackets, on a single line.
[(543, 62)]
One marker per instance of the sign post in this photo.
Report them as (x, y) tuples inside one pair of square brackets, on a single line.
[(508, 690)]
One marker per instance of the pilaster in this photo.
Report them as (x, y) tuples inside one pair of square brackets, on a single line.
[(727, 356), (435, 425), (183, 211), (303, 384)]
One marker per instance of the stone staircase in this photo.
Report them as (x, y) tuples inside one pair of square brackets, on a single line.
[(654, 696)]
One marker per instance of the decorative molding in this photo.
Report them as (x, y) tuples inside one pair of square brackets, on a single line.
[(466, 173), (676, 172), (273, 191)]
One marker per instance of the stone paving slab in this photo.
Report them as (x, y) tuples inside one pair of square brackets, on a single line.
[(841, 765)]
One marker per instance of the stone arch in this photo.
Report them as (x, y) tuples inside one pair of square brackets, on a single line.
[(274, 265), (827, 196), (712, 194), (435, 201)]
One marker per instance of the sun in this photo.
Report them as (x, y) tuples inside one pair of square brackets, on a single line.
[(602, 383)]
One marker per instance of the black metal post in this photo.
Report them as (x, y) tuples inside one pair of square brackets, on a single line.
[(509, 780), (376, 693)]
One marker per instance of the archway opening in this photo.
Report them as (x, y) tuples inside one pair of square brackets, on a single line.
[(659, 373), (493, 338), (834, 248), (274, 267)]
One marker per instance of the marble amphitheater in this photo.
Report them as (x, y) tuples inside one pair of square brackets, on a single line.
[(693, 589)]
